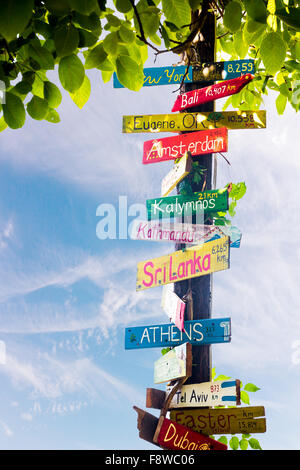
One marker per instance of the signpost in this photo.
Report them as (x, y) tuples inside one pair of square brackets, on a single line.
[(167, 230), (214, 200), (173, 306), (207, 394), (174, 436), (193, 262), (173, 75), (210, 93), (196, 332), (186, 122), (175, 364), (177, 174), (197, 143), (246, 420), (204, 394)]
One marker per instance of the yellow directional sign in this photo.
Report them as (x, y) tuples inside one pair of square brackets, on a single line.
[(193, 262), (183, 122)]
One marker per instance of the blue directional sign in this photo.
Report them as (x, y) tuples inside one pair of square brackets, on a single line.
[(208, 71), (196, 332)]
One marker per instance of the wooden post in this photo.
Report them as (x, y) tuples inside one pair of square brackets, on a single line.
[(200, 289)]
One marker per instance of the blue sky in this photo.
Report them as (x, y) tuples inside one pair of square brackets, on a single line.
[(66, 296)]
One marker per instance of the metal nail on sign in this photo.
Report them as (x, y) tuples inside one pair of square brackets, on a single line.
[(206, 394), (222, 421), (167, 230), (196, 332), (173, 75), (175, 364), (213, 200), (174, 436), (177, 174), (183, 122), (193, 262), (173, 306), (210, 93), (197, 143)]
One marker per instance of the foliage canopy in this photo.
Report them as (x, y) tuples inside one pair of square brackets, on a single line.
[(72, 36)]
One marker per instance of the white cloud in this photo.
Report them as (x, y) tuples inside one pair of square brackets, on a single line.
[(7, 431)]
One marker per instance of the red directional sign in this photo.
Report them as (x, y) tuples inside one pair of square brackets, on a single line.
[(174, 436), (210, 93), (171, 148)]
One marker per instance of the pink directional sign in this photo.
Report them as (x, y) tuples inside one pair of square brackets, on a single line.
[(210, 93)]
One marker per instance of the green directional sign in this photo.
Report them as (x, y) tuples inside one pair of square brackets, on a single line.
[(214, 200)]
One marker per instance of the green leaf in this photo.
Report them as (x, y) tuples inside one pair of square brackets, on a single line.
[(241, 48), (71, 73), (86, 38), (245, 397), (165, 351), (58, 7), (232, 16), (273, 52), (126, 34), (223, 440), (222, 377), (292, 18), (52, 94), (84, 6), (150, 20), (14, 17), (129, 72), (124, 6), (41, 55), (95, 57), (253, 31), (251, 387), (52, 116), (244, 444), (13, 111), (37, 108), (257, 10), (234, 443), (106, 75), (110, 43), (254, 444), (66, 40), (3, 124), (81, 96), (177, 11)]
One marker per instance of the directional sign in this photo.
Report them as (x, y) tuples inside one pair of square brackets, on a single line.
[(173, 75), (174, 436), (211, 93), (196, 332), (175, 364), (173, 306), (223, 420), (177, 174), (153, 76), (207, 394), (198, 143), (183, 122), (167, 230), (222, 70), (193, 262), (213, 200)]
